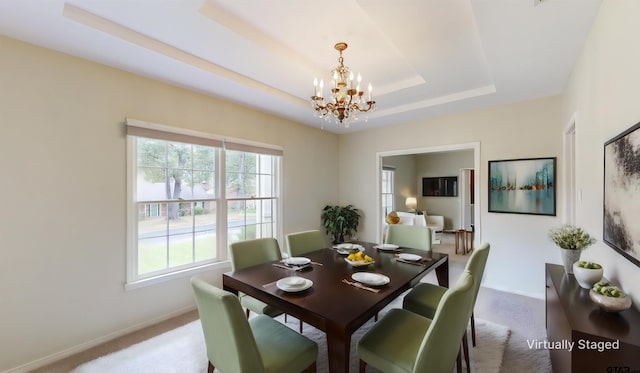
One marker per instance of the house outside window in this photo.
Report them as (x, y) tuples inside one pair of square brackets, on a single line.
[(182, 187)]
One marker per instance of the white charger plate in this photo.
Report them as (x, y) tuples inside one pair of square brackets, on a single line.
[(297, 261), (374, 279), (292, 284), (386, 246), (410, 257)]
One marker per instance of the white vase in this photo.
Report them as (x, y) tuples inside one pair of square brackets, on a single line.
[(568, 258)]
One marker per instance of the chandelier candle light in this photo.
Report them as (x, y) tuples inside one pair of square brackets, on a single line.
[(346, 96)]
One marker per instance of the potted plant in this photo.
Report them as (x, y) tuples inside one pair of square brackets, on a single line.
[(340, 221), (571, 241)]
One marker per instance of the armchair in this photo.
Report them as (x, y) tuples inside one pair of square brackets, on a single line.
[(436, 224)]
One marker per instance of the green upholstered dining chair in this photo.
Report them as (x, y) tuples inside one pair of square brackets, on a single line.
[(300, 243), (412, 236), (247, 254), (235, 344), (424, 298), (403, 341)]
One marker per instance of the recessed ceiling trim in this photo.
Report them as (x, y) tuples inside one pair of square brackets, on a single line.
[(486, 90), (94, 21), (221, 16)]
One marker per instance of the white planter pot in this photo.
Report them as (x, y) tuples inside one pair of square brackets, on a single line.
[(586, 277), (568, 258)]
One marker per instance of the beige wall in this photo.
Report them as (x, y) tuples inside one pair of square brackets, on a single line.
[(603, 97), (63, 161), (520, 246), (404, 178), (438, 165)]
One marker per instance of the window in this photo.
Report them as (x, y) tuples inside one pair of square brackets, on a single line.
[(387, 190), (251, 195), (171, 233), (182, 186)]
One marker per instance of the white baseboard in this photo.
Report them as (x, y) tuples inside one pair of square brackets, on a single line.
[(39, 363), (540, 295)]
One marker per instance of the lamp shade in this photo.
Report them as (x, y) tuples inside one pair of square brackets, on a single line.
[(411, 203)]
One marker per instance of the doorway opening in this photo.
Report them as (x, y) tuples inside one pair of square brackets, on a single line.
[(456, 223)]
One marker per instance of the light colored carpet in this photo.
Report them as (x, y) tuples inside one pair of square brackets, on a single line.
[(182, 350)]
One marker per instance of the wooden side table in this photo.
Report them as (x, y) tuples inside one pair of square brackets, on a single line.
[(469, 239), (464, 241), (602, 341), (461, 238)]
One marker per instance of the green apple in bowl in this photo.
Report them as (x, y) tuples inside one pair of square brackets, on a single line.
[(587, 273), (609, 297), (589, 265)]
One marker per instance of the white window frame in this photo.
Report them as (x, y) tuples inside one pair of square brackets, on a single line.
[(134, 280), (392, 170)]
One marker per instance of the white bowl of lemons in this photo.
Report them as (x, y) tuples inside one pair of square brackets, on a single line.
[(609, 297), (359, 259)]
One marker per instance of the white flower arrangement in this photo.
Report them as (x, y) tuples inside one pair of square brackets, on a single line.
[(571, 238)]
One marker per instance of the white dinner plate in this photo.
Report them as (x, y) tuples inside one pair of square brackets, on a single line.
[(348, 251), (386, 246), (348, 246), (293, 284), (410, 257), (358, 263), (374, 279), (345, 249), (297, 261)]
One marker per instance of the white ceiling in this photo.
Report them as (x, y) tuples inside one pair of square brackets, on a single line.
[(423, 57)]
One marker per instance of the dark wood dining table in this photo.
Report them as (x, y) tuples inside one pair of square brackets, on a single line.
[(331, 305)]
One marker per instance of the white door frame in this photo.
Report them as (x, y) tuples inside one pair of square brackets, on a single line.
[(570, 194), (465, 195), (475, 146)]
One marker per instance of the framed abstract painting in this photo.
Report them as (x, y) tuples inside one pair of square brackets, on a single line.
[(621, 210), (523, 186)]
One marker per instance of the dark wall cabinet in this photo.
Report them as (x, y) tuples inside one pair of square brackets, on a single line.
[(572, 317)]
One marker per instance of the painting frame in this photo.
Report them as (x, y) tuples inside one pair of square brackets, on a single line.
[(621, 202), (523, 186)]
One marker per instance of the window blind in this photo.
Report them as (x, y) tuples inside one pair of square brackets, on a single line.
[(140, 128)]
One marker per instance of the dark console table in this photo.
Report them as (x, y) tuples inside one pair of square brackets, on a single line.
[(571, 317)]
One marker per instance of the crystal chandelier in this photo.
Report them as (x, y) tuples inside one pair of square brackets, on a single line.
[(346, 99)]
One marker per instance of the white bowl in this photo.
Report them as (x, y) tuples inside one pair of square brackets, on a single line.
[(610, 304), (297, 261), (293, 281), (586, 277)]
